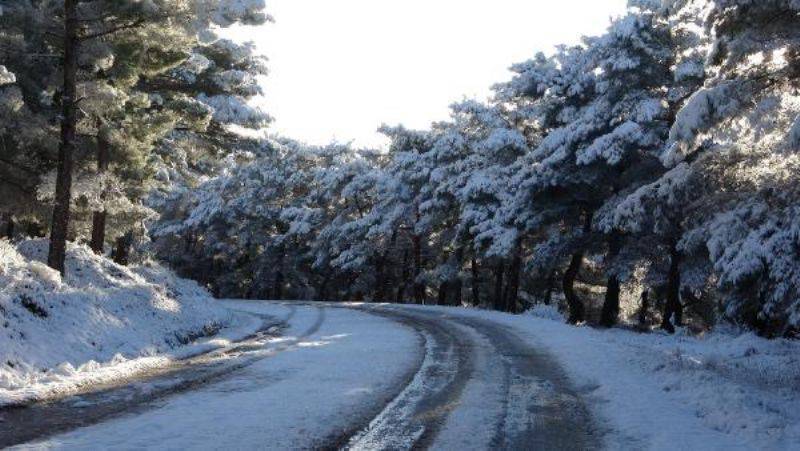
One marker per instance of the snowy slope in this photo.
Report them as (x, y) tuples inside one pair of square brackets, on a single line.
[(57, 334)]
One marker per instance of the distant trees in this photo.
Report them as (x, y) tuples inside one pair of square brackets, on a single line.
[(648, 173), (650, 169)]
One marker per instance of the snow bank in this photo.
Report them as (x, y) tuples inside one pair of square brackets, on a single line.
[(102, 321), (725, 390)]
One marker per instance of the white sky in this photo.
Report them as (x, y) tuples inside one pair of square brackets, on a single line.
[(340, 68)]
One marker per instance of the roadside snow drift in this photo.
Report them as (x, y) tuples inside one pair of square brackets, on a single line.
[(56, 332)]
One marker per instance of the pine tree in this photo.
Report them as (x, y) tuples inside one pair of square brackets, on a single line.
[(114, 45)]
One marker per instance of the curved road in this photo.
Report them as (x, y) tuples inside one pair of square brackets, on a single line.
[(479, 387), (466, 383)]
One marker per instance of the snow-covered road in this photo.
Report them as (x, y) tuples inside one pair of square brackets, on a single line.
[(358, 376)]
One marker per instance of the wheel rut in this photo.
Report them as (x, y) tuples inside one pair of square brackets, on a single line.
[(415, 416), (536, 406)]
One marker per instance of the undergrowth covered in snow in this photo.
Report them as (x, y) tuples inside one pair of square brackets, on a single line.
[(100, 315)]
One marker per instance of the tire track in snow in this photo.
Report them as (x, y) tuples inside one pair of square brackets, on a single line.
[(479, 386), (414, 417), (543, 411)]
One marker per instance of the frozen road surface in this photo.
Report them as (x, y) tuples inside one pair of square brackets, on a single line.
[(324, 376)]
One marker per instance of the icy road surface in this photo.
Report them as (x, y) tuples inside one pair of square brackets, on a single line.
[(332, 377)]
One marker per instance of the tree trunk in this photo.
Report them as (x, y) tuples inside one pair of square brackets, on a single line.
[(419, 287), (187, 242), (498, 285), (476, 288), (610, 312), (401, 291), (456, 285), (322, 295), (548, 294), (512, 285), (9, 231), (382, 279), (122, 252), (99, 217), (672, 306), (458, 296), (643, 308), (277, 285), (576, 313), (443, 288), (60, 223), (576, 309), (277, 288)]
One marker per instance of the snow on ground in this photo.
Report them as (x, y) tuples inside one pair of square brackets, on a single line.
[(285, 401), (101, 322), (725, 390)]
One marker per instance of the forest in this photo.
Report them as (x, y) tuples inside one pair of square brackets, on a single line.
[(645, 177)]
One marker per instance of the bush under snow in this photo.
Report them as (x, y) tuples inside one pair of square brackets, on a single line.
[(100, 315)]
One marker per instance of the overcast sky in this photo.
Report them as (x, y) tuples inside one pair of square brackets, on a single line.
[(340, 68)]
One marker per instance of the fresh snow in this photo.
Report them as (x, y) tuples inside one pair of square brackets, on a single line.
[(723, 391), (101, 323), (287, 400)]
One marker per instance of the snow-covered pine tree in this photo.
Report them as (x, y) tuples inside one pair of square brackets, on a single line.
[(472, 156), (633, 61), (344, 192), (111, 46), (398, 202), (654, 212), (733, 149)]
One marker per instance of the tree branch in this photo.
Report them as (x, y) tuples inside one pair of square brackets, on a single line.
[(113, 30)]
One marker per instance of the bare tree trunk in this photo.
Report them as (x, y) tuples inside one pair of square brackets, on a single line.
[(672, 306), (419, 287), (610, 312), (122, 252), (576, 309), (476, 288), (458, 298), (576, 312), (9, 230), (512, 285), (60, 223), (643, 308), (382, 281), (498, 285), (188, 242), (401, 291), (443, 288), (99, 217), (277, 285), (456, 284), (322, 295), (548, 294)]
